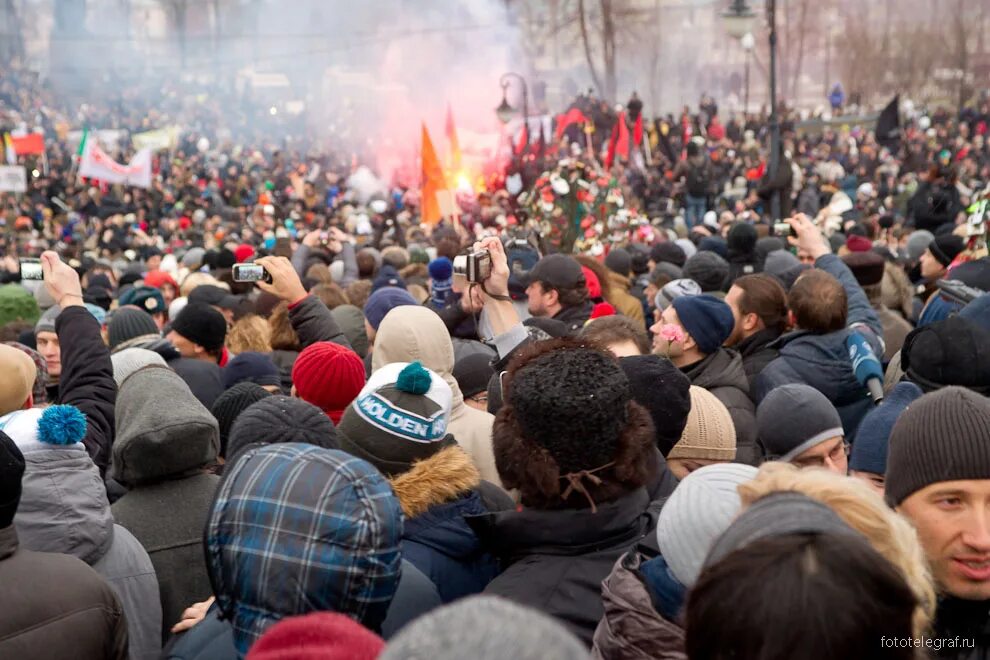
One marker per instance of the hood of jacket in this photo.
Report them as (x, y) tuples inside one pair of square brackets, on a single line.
[(723, 368), (618, 281), (410, 334), (631, 627), (163, 431), (822, 361), (295, 529), (64, 506)]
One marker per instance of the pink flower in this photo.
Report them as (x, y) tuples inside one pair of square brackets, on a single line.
[(672, 332)]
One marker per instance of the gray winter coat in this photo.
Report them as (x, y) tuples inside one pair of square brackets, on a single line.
[(64, 509), (165, 439)]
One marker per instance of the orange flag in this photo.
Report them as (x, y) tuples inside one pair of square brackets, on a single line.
[(433, 181), (455, 145)]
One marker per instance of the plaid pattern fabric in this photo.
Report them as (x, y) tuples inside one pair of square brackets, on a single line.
[(297, 529)]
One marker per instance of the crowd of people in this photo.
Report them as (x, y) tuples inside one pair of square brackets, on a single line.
[(716, 434)]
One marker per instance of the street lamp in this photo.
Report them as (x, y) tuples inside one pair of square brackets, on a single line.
[(748, 42), (506, 112), (735, 17)]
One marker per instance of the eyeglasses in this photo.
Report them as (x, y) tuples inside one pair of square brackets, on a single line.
[(480, 398), (838, 452)]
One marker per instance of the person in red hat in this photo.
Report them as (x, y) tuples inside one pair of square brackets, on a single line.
[(243, 252), (329, 376)]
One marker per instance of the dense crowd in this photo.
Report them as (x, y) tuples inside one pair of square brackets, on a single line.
[(708, 433)]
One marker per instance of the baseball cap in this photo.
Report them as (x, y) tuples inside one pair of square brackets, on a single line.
[(560, 271), (214, 296)]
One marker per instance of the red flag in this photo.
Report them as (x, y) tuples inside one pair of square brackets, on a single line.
[(30, 144), (572, 116), (618, 144), (433, 181), (455, 145)]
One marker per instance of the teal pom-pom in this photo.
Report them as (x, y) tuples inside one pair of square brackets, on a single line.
[(61, 425), (414, 379)]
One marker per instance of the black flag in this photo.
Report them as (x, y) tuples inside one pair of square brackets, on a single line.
[(888, 129)]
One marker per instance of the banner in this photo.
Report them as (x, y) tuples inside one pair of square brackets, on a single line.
[(30, 144), (96, 164), (13, 178), (157, 140)]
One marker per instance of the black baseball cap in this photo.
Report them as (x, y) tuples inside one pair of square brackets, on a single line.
[(214, 296), (560, 271)]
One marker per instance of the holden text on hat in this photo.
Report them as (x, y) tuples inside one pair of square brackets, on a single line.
[(379, 412)]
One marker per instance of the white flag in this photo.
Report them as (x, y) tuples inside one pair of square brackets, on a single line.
[(96, 164)]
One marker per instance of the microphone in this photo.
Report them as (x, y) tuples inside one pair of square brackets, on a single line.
[(865, 365)]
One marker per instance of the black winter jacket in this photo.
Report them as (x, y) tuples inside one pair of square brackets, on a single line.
[(757, 354), (313, 322), (963, 622)]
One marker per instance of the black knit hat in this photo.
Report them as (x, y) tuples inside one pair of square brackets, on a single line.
[(98, 296), (669, 252), (943, 436), (947, 352), (11, 473), (231, 404), (707, 269), (202, 325), (946, 248), (277, 419), (127, 323), (664, 391), (572, 402), (472, 373)]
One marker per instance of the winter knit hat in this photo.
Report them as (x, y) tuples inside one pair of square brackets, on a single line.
[(144, 297), (129, 360), (387, 277), (11, 474), (942, 436), (707, 319), (47, 321), (399, 417), (128, 325), (243, 252), (317, 636), (794, 418), (619, 261), (42, 428), (709, 433), (978, 311), (664, 391), (277, 419), (39, 392), (472, 373), (485, 628), (784, 266), (675, 289), (946, 248), (778, 514), (202, 325), (251, 367), (668, 252), (193, 258), (381, 302), (441, 280), (708, 269), (44, 298), (687, 247), (869, 452), (19, 374), (700, 509), (948, 352), (714, 244), (742, 238), (16, 304), (231, 404), (329, 376), (917, 243)]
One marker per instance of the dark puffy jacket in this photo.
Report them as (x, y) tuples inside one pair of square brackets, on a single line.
[(822, 361), (436, 495), (967, 621), (55, 607), (722, 374), (757, 353), (934, 205), (575, 317), (632, 629), (555, 561), (160, 454), (313, 322), (202, 377), (87, 379)]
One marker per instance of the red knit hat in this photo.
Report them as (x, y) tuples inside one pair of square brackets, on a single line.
[(591, 281), (243, 252), (859, 243), (601, 309), (158, 278), (329, 376), (317, 636)]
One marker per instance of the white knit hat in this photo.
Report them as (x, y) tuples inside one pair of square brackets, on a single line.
[(129, 360), (699, 510)]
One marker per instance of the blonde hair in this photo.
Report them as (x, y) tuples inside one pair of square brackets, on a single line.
[(250, 333), (283, 336), (319, 272), (193, 280), (864, 510)]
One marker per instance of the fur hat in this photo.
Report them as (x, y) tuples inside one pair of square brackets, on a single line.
[(570, 434)]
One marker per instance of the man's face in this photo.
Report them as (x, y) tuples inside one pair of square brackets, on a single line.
[(154, 263), (874, 480), (185, 347), (539, 299), (49, 348), (805, 257), (831, 454), (732, 300), (953, 523), (682, 467), (931, 269), (663, 345)]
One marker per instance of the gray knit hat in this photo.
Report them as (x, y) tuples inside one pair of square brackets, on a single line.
[(708, 269), (129, 360), (943, 436), (794, 418), (778, 514), (485, 628), (700, 509), (784, 266), (47, 321), (917, 243)]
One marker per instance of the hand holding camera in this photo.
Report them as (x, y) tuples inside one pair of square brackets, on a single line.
[(807, 236), (494, 268), (61, 280), (284, 281)]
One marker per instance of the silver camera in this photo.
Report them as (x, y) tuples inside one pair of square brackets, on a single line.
[(475, 267)]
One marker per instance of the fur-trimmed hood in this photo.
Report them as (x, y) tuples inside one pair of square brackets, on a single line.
[(444, 477)]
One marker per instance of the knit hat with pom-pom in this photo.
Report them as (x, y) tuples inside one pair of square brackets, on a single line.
[(400, 417), (41, 428)]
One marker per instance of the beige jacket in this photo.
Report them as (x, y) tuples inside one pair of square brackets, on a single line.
[(408, 334)]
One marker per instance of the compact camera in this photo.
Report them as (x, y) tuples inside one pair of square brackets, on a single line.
[(781, 229), (475, 267)]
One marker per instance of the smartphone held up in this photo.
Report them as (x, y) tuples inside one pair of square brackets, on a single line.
[(31, 269), (251, 273)]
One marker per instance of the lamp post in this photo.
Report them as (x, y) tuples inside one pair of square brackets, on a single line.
[(748, 43), (505, 112), (738, 20)]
